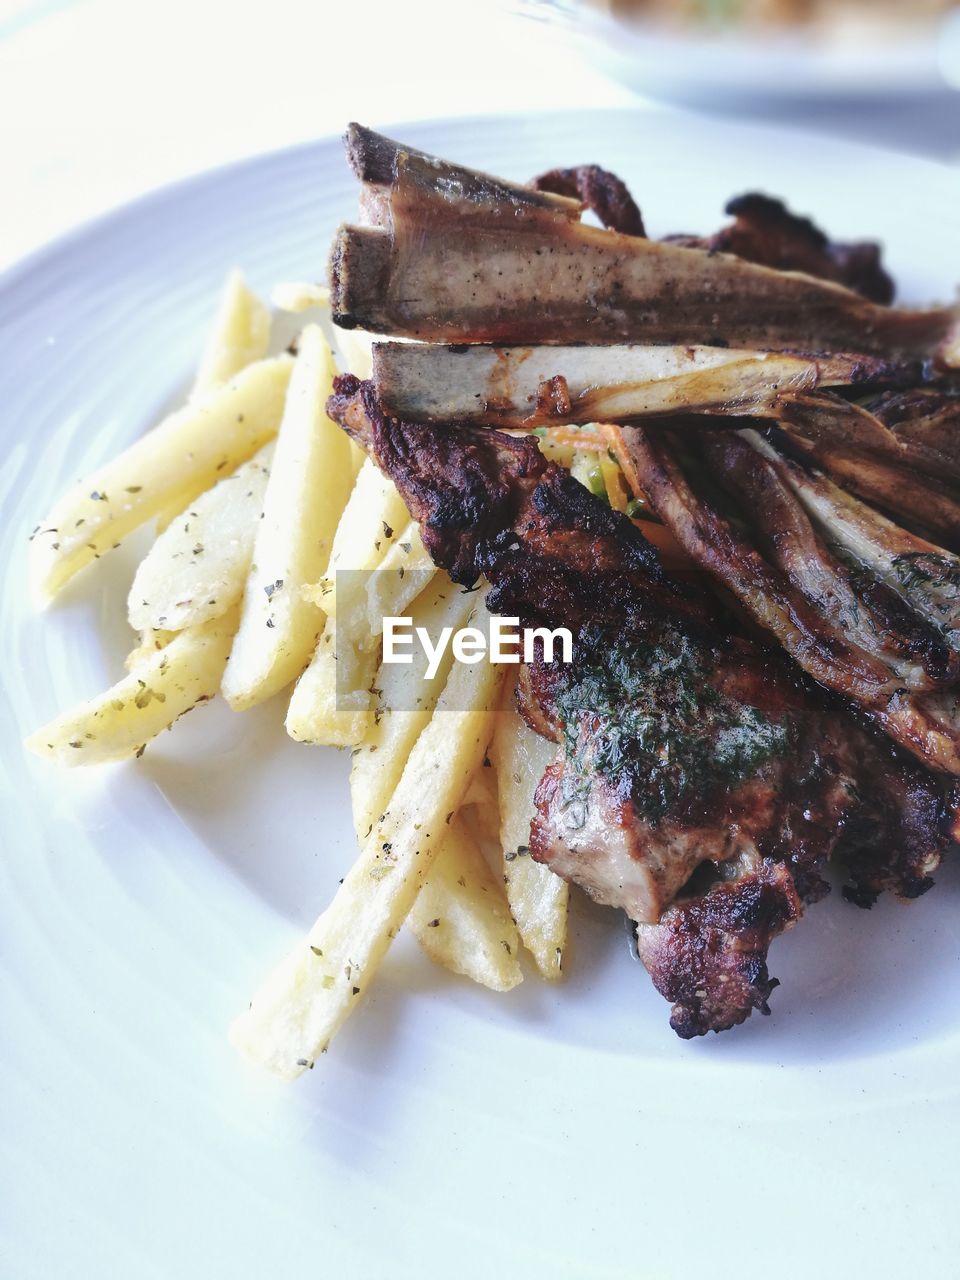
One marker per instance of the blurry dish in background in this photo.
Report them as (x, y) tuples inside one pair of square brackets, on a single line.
[(766, 49)]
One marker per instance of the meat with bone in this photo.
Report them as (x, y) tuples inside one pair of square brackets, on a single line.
[(843, 440), (914, 429), (928, 726), (502, 386), (457, 257), (871, 614), (923, 574), (765, 231), (677, 747)]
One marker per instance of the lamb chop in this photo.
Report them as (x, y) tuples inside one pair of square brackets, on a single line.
[(457, 256), (701, 782)]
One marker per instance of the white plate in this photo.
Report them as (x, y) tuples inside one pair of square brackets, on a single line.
[(551, 1132)]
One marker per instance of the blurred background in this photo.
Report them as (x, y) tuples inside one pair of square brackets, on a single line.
[(103, 99)]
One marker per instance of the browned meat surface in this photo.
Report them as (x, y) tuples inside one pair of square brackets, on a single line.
[(872, 461), (459, 257), (871, 614), (765, 231), (708, 954), (684, 746), (599, 190), (928, 726), (924, 575)]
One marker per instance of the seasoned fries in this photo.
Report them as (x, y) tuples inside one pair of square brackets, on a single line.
[(295, 1014), (197, 567), (461, 918), (161, 687), (177, 460), (280, 550), (538, 898), (331, 704), (306, 491), (240, 335)]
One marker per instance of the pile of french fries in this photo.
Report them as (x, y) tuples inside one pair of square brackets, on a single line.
[(260, 504)]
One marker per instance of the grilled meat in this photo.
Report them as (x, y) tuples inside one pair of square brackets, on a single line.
[(459, 257), (599, 190), (924, 575), (870, 460), (765, 231), (708, 954), (928, 726), (870, 614), (679, 749)]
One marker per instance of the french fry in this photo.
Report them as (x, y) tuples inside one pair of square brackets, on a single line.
[(161, 687), (240, 335), (403, 573), (150, 641), (308, 486), (331, 702), (374, 517), (461, 917), (405, 701), (180, 458), (302, 1005), (537, 897), (197, 567)]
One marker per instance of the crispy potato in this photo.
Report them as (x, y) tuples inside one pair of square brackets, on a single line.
[(197, 568), (475, 935), (309, 484), (331, 703), (405, 700), (461, 917), (538, 898), (149, 642), (180, 458), (373, 519), (240, 335), (403, 573), (302, 1005), (161, 687)]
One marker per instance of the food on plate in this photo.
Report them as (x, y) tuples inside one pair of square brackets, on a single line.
[(680, 748), (308, 486), (172, 464), (724, 463), (450, 256), (162, 685)]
